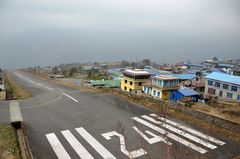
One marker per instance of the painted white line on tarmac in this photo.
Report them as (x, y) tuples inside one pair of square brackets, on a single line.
[(95, 144), (189, 130), (70, 97), (49, 88), (170, 135), (38, 84), (155, 138), (133, 154), (76, 145), (57, 146), (181, 132)]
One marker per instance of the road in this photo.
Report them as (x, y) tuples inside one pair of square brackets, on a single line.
[(69, 123)]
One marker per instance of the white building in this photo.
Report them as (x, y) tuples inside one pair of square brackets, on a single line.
[(222, 85)]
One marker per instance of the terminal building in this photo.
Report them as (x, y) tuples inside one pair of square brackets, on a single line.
[(162, 87), (133, 80), (222, 85)]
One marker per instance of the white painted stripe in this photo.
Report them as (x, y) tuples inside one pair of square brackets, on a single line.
[(181, 132), (212, 139), (38, 84), (155, 138), (49, 88), (95, 144), (76, 145), (133, 154), (57, 146), (170, 135), (70, 97)]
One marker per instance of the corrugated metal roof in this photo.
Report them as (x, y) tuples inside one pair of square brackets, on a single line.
[(137, 71), (106, 83), (224, 77), (165, 77), (188, 92), (184, 76)]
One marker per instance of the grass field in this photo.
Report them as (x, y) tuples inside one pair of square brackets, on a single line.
[(8, 143), (15, 88)]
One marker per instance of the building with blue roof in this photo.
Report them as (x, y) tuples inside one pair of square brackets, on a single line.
[(222, 85), (179, 94), (157, 72), (184, 77)]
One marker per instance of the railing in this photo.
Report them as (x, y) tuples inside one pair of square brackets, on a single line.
[(165, 87)]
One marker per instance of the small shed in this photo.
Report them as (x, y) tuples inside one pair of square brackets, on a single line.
[(183, 93)]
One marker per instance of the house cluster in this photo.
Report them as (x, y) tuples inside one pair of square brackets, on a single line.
[(210, 78), (175, 82), (172, 87), (164, 87)]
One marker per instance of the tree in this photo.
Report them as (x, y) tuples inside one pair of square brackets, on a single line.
[(65, 73), (79, 68), (124, 63), (146, 62), (215, 58), (72, 71), (133, 65), (55, 70)]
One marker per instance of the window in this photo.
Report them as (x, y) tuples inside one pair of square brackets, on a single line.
[(144, 88), (217, 84), (125, 88), (158, 94), (220, 94), (130, 90), (229, 95), (160, 82), (210, 83), (130, 83), (140, 83), (238, 97), (154, 92), (225, 86), (211, 91), (234, 88), (125, 81), (154, 81)]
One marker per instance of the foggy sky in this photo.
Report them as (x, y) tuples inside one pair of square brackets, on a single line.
[(49, 32)]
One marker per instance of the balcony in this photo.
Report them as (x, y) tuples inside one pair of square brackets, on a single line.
[(166, 87)]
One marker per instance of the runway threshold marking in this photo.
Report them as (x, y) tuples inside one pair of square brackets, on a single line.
[(181, 132), (167, 132), (76, 145), (212, 139), (170, 135), (57, 146), (75, 100), (95, 144)]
